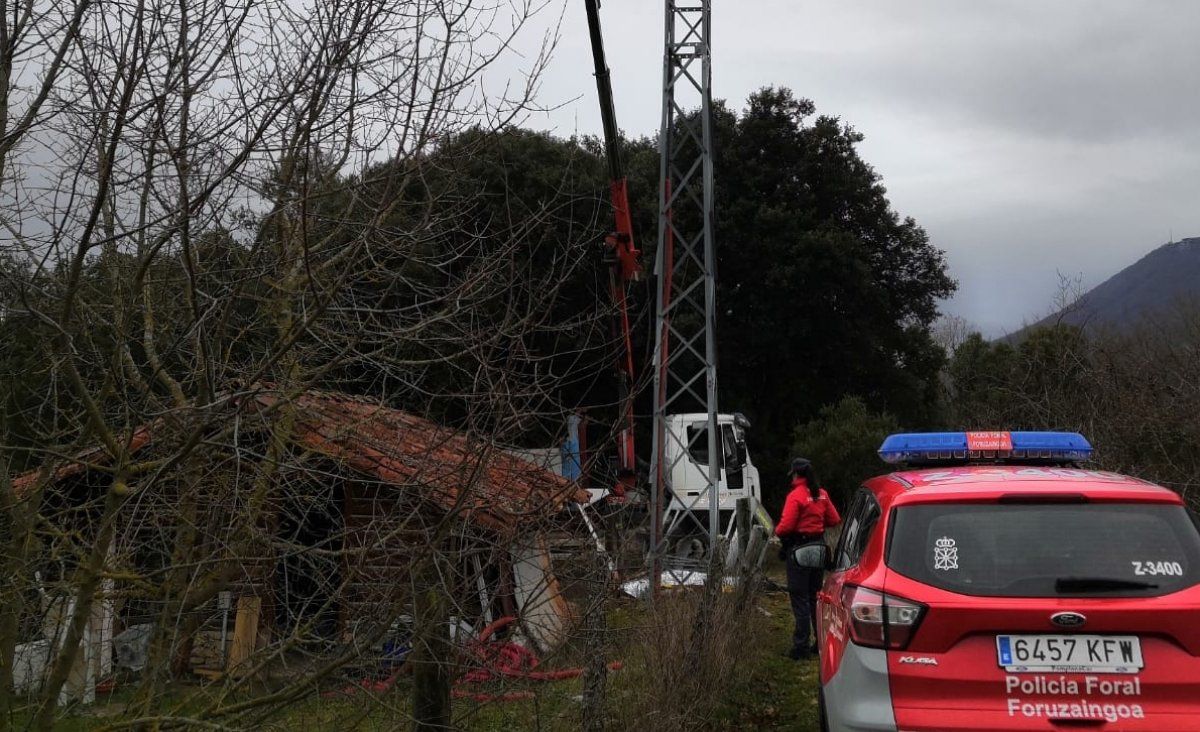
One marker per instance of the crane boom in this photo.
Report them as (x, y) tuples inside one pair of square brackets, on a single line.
[(608, 111), (621, 253)]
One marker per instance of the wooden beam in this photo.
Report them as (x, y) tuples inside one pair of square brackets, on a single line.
[(245, 631)]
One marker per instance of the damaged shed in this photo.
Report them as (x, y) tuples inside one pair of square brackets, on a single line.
[(304, 521)]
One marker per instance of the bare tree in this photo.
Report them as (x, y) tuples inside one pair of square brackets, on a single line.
[(950, 331), (211, 209)]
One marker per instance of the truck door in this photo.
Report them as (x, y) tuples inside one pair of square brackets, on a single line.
[(732, 459), (735, 459)]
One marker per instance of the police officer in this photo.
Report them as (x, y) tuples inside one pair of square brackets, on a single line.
[(807, 512)]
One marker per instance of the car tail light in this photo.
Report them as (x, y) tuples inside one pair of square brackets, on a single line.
[(879, 620)]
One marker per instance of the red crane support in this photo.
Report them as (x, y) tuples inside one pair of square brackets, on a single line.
[(622, 255)]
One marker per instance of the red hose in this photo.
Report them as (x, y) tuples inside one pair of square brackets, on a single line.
[(496, 659), (493, 626), (557, 675), (371, 685)]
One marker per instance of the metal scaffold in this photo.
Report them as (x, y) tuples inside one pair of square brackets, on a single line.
[(685, 353)]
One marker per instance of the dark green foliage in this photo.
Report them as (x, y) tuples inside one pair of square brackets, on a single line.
[(842, 442), (1029, 386), (524, 212), (979, 374), (23, 376), (1133, 394), (823, 289)]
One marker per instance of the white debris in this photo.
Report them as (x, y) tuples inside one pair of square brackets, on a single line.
[(673, 579)]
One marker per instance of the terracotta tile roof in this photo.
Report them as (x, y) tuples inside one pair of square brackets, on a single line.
[(453, 470), (25, 482), (485, 483)]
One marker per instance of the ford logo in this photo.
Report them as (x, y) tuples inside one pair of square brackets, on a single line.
[(1068, 620)]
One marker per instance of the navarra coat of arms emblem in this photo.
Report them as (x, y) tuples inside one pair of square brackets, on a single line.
[(945, 554)]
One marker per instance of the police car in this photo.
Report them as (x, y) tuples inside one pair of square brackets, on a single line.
[(991, 584)]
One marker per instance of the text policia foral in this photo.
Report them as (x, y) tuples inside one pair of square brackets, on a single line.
[(1091, 697)]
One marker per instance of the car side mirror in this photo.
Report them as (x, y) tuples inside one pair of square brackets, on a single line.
[(812, 556)]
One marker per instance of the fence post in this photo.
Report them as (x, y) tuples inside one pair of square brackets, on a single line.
[(431, 657), (595, 629), (742, 518)]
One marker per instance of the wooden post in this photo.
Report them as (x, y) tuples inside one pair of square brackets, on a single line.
[(751, 564), (245, 631), (743, 523), (431, 656), (81, 678), (755, 549), (741, 519), (595, 628)]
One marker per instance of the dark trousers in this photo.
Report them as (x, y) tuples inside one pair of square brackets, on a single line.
[(803, 584)]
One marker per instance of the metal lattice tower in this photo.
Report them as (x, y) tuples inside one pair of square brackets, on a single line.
[(685, 354)]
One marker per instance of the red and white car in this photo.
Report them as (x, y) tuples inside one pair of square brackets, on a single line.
[(998, 587)]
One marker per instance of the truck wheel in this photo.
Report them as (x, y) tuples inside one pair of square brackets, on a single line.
[(692, 547)]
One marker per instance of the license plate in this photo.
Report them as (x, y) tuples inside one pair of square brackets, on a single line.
[(1104, 654)]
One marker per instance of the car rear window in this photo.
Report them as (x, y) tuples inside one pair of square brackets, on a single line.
[(1047, 550)]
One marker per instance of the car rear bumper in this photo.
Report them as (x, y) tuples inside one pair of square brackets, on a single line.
[(990, 720), (858, 697)]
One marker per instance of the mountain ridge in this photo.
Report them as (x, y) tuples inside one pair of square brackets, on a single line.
[(1152, 285)]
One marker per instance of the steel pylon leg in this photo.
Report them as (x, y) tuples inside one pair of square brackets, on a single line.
[(685, 353)]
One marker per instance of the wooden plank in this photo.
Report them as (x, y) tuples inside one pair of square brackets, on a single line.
[(485, 597), (245, 630), (544, 612)]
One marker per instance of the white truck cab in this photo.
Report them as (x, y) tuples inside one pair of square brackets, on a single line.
[(686, 454), (685, 457)]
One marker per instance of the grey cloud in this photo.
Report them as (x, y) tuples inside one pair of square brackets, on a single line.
[(1029, 137), (1076, 70)]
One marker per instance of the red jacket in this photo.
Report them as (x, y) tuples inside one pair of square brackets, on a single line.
[(803, 515)]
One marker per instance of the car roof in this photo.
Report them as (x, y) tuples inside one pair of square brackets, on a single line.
[(990, 482)]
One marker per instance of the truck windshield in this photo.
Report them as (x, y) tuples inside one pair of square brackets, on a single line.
[(697, 436), (1047, 550)]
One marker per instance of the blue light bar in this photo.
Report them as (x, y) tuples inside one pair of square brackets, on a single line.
[(935, 447), (905, 448)]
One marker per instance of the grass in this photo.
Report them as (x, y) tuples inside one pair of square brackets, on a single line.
[(777, 693), (768, 692)]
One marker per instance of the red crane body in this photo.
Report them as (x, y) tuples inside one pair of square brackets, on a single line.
[(623, 257)]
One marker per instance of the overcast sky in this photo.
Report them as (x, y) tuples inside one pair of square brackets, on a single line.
[(1029, 137)]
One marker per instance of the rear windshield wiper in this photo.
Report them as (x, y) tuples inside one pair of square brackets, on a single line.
[(1099, 584)]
